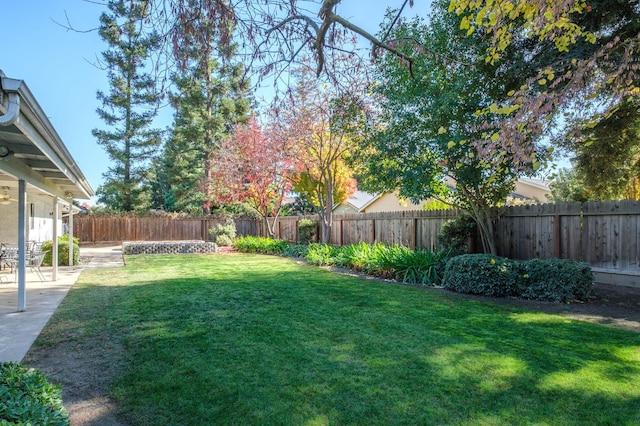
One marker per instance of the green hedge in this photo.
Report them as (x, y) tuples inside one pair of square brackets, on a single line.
[(63, 252), (422, 267), (558, 280), (27, 398), (482, 274), (307, 231)]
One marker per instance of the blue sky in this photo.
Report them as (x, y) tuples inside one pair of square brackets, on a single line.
[(58, 65)]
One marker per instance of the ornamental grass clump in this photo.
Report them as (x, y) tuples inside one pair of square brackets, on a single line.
[(424, 267)]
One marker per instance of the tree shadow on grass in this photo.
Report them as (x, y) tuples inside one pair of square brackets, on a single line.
[(287, 343)]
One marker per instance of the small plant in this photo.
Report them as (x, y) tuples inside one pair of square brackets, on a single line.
[(260, 245), (321, 254), (423, 267), (296, 250), (28, 398), (224, 234), (63, 251), (307, 231), (454, 236)]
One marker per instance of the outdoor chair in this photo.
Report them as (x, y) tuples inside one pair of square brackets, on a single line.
[(8, 256), (35, 261)]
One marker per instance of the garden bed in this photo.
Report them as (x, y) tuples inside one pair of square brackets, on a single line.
[(168, 247)]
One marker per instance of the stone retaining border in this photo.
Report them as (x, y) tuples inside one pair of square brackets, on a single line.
[(168, 247)]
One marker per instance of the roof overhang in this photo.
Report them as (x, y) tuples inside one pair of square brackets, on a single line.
[(36, 155)]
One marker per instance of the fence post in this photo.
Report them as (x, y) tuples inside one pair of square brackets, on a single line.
[(373, 230), (557, 235)]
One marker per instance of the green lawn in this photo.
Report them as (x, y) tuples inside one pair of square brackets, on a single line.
[(252, 339)]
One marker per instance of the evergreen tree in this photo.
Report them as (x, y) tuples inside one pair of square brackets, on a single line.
[(129, 107), (212, 96)]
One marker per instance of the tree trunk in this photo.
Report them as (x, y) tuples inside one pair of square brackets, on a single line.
[(326, 215), (484, 220)]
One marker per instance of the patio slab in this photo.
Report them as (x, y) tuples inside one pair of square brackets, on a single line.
[(18, 330)]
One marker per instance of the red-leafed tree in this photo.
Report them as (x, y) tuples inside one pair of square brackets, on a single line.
[(253, 166)]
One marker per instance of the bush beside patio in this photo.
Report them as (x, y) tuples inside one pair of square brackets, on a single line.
[(27, 397)]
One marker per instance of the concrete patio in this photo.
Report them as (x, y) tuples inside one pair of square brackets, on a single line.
[(18, 330)]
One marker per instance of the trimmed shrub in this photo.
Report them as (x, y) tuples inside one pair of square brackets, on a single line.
[(455, 234), (558, 280), (223, 234), (28, 398), (63, 251), (482, 274), (307, 231)]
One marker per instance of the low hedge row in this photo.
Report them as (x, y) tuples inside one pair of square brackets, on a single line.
[(558, 280), (27, 398)]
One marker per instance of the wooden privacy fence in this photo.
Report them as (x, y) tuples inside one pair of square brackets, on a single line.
[(101, 229), (605, 234)]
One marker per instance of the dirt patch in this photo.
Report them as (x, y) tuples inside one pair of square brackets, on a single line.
[(614, 305)]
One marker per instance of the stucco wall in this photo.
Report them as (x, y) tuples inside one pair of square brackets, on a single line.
[(391, 203), (39, 221)]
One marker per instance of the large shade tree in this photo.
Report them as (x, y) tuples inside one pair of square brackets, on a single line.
[(584, 55), (422, 142)]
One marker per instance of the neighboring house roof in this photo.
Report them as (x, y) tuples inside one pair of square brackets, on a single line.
[(532, 189), (526, 189), (537, 183), (32, 149), (360, 200)]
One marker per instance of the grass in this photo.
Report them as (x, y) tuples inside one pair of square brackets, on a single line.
[(253, 339)]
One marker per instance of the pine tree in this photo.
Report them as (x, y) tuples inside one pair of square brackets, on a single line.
[(128, 109), (212, 96)]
